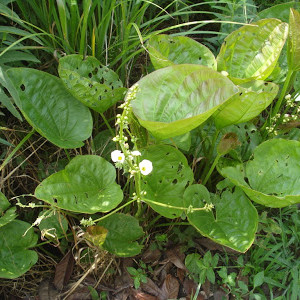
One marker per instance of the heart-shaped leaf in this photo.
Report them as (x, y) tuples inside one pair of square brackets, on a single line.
[(50, 109), (232, 222), (184, 97), (251, 52), (4, 203), (165, 185), (15, 258), (293, 50), (6, 214), (94, 85), (271, 178), (168, 50), (86, 185), (252, 99), (123, 231)]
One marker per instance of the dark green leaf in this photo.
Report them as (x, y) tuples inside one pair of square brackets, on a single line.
[(123, 231), (15, 258), (232, 222), (258, 279), (166, 183), (50, 108)]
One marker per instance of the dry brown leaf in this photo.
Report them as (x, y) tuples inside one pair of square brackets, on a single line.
[(220, 295), (170, 287), (143, 296), (181, 274), (81, 293), (47, 291), (176, 257), (63, 271), (151, 288), (151, 256)]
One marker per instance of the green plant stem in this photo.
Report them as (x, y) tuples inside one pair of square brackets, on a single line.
[(283, 92), (114, 211), (107, 124), (68, 155), (9, 157), (210, 154), (211, 169)]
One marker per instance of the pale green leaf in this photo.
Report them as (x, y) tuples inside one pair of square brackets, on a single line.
[(293, 45), (167, 50)]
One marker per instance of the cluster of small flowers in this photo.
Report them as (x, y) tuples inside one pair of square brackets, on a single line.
[(87, 222), (145, 166)]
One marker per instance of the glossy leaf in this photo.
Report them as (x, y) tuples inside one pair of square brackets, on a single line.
[(233, 221), (184, 97), (252, 99), (15, 258), (94, 85), (50, 108), (165, 185), (123, 231), (252, 51), (280, 11), (271, 178), (86, 185), (167, 50), (293, 49)]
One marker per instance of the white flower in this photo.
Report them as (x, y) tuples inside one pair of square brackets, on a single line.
[(224, 73), (117, 156), (136, 153), (145, 166)]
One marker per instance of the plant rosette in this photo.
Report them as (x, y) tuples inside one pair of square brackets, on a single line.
[(271, 178)]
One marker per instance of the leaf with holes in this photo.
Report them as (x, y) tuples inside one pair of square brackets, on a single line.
[(252, 99), (184, 97), (232, 222), (86, 185), (50, 108), (94, 85), (15, 256), (251, 52), (293, 49), (123, 231), (165, 185), (168, 50), (271, 178)]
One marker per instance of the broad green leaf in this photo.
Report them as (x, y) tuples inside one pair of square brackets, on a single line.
[(50, 109), (165, 185), (258, 279), (53, 226), (293, 45), (280, 11), (252, 99), (251, 52), (17, 56), (184, 97), (167, 50), (232, 222), (4, 203), (8, 216), (86, 185), (94, 85), (123, 231), (15, 258), (271, 178)]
